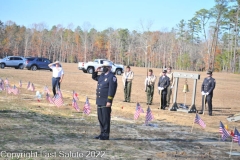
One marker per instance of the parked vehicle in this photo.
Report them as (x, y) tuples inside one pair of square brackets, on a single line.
[(89, 67), (12, 61), (35, 63)]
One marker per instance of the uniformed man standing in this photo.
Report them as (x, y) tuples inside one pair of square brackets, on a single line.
[(208, 86), (171, 85), (163, 84), (127, 83), (149, 86), (106, 89)]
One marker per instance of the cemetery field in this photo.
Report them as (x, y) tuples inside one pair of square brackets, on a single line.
[(35, 129)]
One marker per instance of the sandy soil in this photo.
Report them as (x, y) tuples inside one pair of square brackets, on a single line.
[(28, 125)]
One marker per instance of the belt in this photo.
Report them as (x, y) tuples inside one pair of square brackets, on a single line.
[(55, 77)]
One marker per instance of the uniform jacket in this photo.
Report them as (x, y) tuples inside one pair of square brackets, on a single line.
[(164, 82), (208, 85), (106, 88), (127, 76), (150, 80), (171, 78)]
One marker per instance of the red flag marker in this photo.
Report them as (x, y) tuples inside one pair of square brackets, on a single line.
[(38, 100)]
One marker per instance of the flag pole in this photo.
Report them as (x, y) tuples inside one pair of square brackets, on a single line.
[(204, 104), (160, 99), (12, 96), (19, 94), (231, 149), (192, 125)]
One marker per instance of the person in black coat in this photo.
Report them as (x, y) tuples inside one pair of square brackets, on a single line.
[(106, 89), (208, 86), (163, 84)]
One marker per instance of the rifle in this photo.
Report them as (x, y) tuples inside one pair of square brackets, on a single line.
[(146, 81)]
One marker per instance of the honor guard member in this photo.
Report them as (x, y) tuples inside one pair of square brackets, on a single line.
[(208, 86), (106, 89), (163, 84), (149, 86), (171, 85), (127, 83), (57, 75)]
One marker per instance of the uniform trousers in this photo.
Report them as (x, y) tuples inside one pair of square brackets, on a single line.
[(104, 118)]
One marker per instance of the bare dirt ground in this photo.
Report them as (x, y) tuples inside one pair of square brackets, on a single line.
[(62, 133)]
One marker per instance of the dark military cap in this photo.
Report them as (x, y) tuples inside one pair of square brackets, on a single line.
[(128, 66), (164, 71), (209, 72)]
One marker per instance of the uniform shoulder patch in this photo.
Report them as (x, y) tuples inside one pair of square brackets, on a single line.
[(114, 79)]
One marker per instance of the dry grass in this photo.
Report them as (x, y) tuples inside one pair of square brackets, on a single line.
[(28, 125)]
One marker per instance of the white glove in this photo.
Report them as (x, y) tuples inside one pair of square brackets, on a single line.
[(207, 93), (160, 88), (171, 86), (203, 93)]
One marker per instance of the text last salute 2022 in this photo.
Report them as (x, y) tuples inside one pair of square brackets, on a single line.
[(49, 154)]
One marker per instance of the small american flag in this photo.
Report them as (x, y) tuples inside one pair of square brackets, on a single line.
[(86, 108), (46, 90), (236, 134), (20, 84), (28, 85), (239, 140), (138, 111), (49, 99), (15, 90), (31, 88), (149, 115), (199, 121), (225, 134), (58, 101), (6, 81), (75, 105), (75, 95), (8, 89)]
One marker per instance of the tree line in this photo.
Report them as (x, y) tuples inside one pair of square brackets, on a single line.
[(209, 40)]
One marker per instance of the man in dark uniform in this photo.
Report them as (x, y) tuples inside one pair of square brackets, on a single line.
[(208, 86), (163, 84), (106, 89)]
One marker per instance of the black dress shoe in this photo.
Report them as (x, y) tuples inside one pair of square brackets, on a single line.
[(125, 101), (97, 137), (200, 112), (104, 138), (147, 103)]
